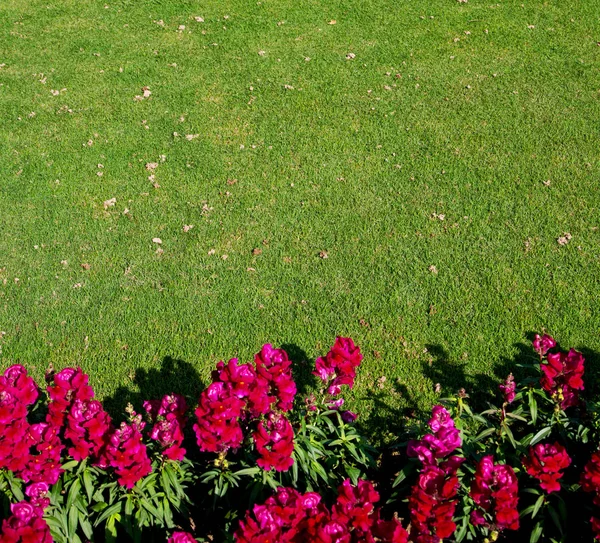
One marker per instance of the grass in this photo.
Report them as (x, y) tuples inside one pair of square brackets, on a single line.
[(490, 101)]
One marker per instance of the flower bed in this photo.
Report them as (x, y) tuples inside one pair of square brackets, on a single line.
[(258, 463)]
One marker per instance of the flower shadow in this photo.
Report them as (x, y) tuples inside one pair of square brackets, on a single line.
[(173, 375)]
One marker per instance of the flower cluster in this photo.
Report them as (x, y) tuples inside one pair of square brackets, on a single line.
[(338, 367), (291, 517), (546, 462), (68, 386), (25, 525), (274, 440), (543, 344), (495, 492), (444, 439), (168, 418), (590, 482), (563, 377), (432, 501), (243, 393), (508, 389), (45, 448), (17, 392), (127, 454)]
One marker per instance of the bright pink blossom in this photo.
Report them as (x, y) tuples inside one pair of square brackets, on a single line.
[(25, 525), (168, 418), (181, 537), (127, 454), (444, 440)]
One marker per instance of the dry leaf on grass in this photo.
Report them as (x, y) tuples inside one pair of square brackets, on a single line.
[(433, 269), (85, 266), (350, 56), (256, 251), (157, 240), (109, 203), (187, 227), (564, 239), (151, 166), (199, 19), (191, 137)]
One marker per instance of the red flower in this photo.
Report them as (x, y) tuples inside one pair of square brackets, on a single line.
[(274, 441), (291, 517), (25, 525), (546, 462), (339, 365), (590, 482), (563, 377), (495, 491), (168, 418), (181, 537), (431, 502)]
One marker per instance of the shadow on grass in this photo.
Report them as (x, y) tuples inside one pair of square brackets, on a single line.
[(173, 375), (302, 367), (452, 376)]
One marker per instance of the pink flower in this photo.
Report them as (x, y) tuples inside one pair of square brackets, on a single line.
[(444, 440), (25, 525), (508, 389), (181, 537), (543, 344)]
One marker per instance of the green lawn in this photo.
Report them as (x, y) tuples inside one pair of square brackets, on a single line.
[(419, 168)]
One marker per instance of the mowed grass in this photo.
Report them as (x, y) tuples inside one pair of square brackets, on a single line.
[(453, 111)]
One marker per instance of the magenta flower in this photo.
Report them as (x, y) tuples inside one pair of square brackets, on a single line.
[(508, 389), (563, 377), (274, 440), (546, 463), (543, 344), (338, 367), (181, 537)]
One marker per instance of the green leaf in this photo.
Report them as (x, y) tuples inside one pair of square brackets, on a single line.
[(86, 526), (533, 408), (555, 519), (67, 466), (536, 533), (110, 530), (537, 506), (109, 512), (168, 515), (73, 493), (487, 432), (543, 433), (73, 522), (89, 484), (510, 435), (248, 471)]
